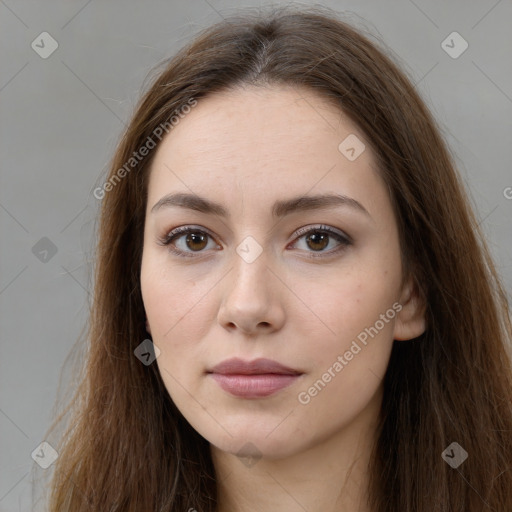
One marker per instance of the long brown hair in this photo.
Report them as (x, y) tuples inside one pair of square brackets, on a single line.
[(128, 448)]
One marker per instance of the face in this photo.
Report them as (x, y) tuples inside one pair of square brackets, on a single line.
[(274, 313)]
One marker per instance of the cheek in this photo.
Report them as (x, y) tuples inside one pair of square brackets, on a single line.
[(336, 309), (173, 302), (350, 336), (178, 313), (347, 371), (178, 318)]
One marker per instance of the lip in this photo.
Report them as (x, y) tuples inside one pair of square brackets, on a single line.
[(253, 379), (259, 366)]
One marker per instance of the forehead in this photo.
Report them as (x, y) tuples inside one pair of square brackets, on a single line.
[(278, 140), (259, 120)]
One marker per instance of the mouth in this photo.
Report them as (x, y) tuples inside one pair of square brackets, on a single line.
[(253, 379)]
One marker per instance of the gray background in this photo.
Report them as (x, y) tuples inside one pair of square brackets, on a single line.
[(61, 118)]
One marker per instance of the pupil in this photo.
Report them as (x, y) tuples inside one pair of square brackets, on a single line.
[(193, 237), (317, 239), (313, 238)]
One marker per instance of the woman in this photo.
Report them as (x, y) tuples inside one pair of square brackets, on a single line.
[(294, 307)]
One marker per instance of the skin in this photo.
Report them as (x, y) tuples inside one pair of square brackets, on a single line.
[(245, 149)]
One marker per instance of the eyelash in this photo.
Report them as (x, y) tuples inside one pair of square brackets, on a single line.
[(177, 233)]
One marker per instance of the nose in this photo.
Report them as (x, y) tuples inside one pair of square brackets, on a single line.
[(252, 298)]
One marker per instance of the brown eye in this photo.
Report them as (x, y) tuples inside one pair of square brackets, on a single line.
[(187, 240), (196, 241), (317, 241)]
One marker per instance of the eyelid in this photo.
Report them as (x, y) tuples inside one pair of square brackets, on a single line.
[(343, 239), (186, 229), (178, 232), (297, 233), (322, 227)]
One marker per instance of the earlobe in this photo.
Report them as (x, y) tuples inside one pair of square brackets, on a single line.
[(410, 321)]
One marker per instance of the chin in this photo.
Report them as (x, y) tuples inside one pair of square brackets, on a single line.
[(255, 449), (254, 443)]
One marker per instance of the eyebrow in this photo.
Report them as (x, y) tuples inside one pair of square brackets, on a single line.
[(280, 208)]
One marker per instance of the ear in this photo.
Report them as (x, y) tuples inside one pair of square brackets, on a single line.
[(410, 321)]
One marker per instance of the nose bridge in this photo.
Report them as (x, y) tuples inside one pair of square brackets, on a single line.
[(250, 298), (250, 268)]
